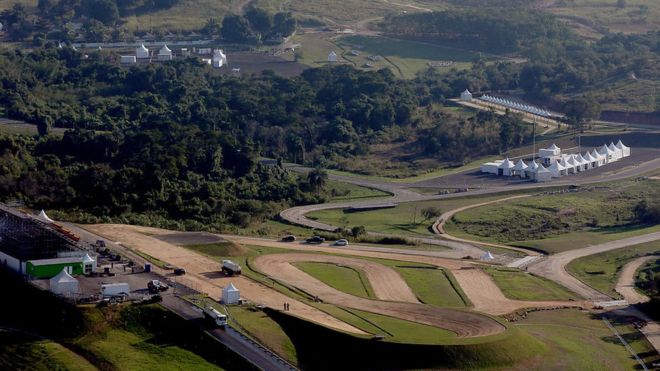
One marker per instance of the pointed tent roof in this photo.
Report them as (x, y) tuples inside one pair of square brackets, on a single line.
[(613, 148), (43, 217), (143, 48), (165, 50), (581, 160), (605, 150), (533, 166), (564, 163), (596, 154), (555, 167), (542, 169), (466, 92), (620, 145), (520, 165), (230, 288), (62, 277), (553, 147), (506, 164), (487, 256), (87, 259), (588, 157)]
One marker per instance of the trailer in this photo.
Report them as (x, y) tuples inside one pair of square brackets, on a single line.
[(212, 315), (115, 289), (229, 268)]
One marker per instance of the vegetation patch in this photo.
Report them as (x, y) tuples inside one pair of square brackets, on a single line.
[(229, 249), (433, 286), (345, 279), (519, 285)]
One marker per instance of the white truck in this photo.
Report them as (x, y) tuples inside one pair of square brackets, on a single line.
[(229, 268), (214, 316), (115, 289)]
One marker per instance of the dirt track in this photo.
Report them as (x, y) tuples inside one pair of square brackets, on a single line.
[(464, 324), (626, 283), (203, 273)]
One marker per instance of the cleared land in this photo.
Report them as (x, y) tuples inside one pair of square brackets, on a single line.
[(601, 271)]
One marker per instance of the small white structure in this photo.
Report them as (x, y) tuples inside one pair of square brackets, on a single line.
[(618, 154), (89, 264), (606, 152), (141, 52), (625, 151), (557, 169), (128, 59), (64, 284), (505, 167), (44, 218), (466, 96), (219, 58), (491, 167), (487, 256), (230, 294), (332, 57), (550, 154), (600, 159), (530, 172), (542, 174), (165, 54), (519, 169)]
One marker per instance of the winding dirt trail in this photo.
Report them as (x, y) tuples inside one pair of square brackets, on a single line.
[(626, 283), (463, 323)]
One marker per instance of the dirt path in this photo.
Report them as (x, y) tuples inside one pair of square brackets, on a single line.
[(385, 281), (438, 226), (203, 273), (626, 283), (464, 324), (554, 266)]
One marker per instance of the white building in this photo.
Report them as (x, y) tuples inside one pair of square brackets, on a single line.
[(466, 96), (141, 52), (550, 154), (64, 284), (491, 167), (128, 59), (618, 154), (219, 58), (542, 174), (165, 54), (606, 152), (557, 169), (332, 57), (530, 172), (230, 294)]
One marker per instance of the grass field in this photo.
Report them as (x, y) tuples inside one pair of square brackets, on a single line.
[(519, 285), (345, 279), (601, 271), (433, 286), (577, 341), (227, 249), (340, 191), (21, 352), (638, 16), (13, 128), (560, 221)]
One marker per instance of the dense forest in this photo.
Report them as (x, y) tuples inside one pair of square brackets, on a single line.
[(178, 141), (559, 61)]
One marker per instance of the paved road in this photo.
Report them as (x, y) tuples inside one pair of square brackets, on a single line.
[(554, 267)]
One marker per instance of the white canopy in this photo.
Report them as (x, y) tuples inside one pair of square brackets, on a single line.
[(605, 151), (588, 157), (487, 256), (44, 218), (143, 48), (554, 147), (625, 150), (64, 284), (506, 164), (520, 165), (596, 155), (555, 168), (88, 259), (165, 50), (230, 294), (581, 160), (533, 167), (613, 148)]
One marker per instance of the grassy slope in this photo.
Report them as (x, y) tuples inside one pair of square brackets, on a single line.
[(340, 191), (577, 341), (520, 285), (601, 271), (20, 352), (433, 286), (345, 279)]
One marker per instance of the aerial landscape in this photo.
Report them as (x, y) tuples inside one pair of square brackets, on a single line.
[(324, 185)]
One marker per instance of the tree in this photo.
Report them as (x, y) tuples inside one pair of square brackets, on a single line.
[(431, 212), (581, 110), (260, 20), (236, 29), (105, 11), (317, 179)]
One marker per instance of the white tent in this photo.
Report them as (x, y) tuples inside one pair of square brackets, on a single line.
[(466, 96), (89, 264), (624, 150), (219, 58), (591, 160), (505, 167), (164, 54), (487, 256), (542, 174), (44, 218), (531, 169), (141, 52), (556, 169), (332, 56), (63, 284), (519, 169), (581, 161), (600, 159), (230, 294), (606, 152), (618, 154), (568, 164)]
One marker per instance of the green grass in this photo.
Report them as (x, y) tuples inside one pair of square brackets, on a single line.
[(340, 191), (23, 352), (578, 341), (519, 285), (345, 279), (432, 286), (223, 249), (601, 271), (605, 14)]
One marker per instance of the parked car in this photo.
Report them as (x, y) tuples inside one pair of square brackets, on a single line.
[(315, 240), (156, 286), (289, 238), (179, 271), (341, 242)]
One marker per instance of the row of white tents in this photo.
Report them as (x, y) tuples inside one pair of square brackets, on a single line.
[(567, 164), (515, 105)]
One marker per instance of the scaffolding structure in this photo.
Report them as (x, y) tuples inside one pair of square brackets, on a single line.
[(26, 238)]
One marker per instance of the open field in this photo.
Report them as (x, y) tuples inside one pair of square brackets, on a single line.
[(433, 286), (638, 16), (519, 285), (342, 278), (576, 340), (601, 271), (12, 127)]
